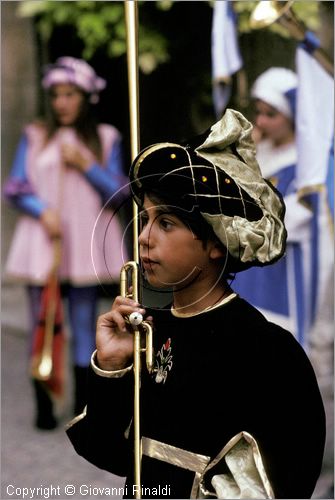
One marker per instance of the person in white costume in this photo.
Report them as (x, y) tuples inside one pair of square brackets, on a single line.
[(281, 292)]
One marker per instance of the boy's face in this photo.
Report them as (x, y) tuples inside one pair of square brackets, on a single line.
[(171, 254)]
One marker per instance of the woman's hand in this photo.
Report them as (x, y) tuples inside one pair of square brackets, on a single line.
[(114, 338), (73, 158), (51, 222)]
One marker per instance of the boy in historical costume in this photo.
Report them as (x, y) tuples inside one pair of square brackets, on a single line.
[(232, 409)]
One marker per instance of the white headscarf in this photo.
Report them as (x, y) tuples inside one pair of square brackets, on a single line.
[(276, 87)]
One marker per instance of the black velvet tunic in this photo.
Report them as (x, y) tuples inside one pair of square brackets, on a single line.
[(221, 372)]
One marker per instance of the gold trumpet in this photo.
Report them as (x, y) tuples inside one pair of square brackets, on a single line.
[(41, 364), (270, 11), (129, 277), (129, 280), (42, 361), (130, 287)]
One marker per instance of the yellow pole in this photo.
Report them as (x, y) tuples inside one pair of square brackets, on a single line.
[(131, 13)]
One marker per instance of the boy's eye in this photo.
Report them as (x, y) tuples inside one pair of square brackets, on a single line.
[(166, 223)]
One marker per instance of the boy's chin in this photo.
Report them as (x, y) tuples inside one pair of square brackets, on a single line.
[(158, 286), (155, 283)]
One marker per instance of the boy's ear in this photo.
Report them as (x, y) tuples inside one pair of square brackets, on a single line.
[(217, 250)]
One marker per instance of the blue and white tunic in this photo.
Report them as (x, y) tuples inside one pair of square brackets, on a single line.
[(281, 291)]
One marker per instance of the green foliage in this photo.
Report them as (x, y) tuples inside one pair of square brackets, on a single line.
[(98, 24)]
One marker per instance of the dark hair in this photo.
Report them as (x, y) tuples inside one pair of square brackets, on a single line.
[(85, 125)]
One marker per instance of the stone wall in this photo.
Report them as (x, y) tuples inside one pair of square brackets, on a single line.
[(19, 95)]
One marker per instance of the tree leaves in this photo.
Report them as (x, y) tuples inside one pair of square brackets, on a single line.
[(98, 24)]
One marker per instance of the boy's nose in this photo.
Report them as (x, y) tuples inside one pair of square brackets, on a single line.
[(145, 236)]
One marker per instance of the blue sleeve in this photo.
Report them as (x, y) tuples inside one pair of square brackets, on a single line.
[(111, 180), (310, 43), (17, 189)]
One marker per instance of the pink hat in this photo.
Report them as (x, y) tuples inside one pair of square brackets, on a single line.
[(75, 71)]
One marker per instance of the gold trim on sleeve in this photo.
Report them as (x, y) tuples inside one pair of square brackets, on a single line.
[(174, 456), (244, 477), (247, 477), (106, 373), (76, 419)]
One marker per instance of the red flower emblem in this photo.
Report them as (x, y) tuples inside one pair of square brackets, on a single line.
[(167, 344)]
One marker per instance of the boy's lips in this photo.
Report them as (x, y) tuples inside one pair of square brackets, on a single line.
[(148, 263)]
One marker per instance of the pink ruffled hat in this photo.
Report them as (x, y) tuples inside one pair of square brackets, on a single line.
[(76, 71)]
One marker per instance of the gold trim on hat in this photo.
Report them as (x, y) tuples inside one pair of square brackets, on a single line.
[(149, 151), (230, 149)]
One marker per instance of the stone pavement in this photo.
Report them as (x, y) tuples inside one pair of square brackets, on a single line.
[(31, 458), (46, 459)]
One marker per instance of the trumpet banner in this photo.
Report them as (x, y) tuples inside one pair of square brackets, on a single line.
[(48, 350)]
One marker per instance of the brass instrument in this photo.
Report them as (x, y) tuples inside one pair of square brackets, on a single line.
[(270, 11), (129, 277), (42, 364)]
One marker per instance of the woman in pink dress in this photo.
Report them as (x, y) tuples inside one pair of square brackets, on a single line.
[(67, 181)]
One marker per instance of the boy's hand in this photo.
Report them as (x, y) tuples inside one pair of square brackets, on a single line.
[(115, 339)]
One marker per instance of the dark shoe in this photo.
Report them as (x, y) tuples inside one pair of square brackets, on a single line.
[(45, 418)]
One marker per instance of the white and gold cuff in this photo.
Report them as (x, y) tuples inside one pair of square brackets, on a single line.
[(107, 373)]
